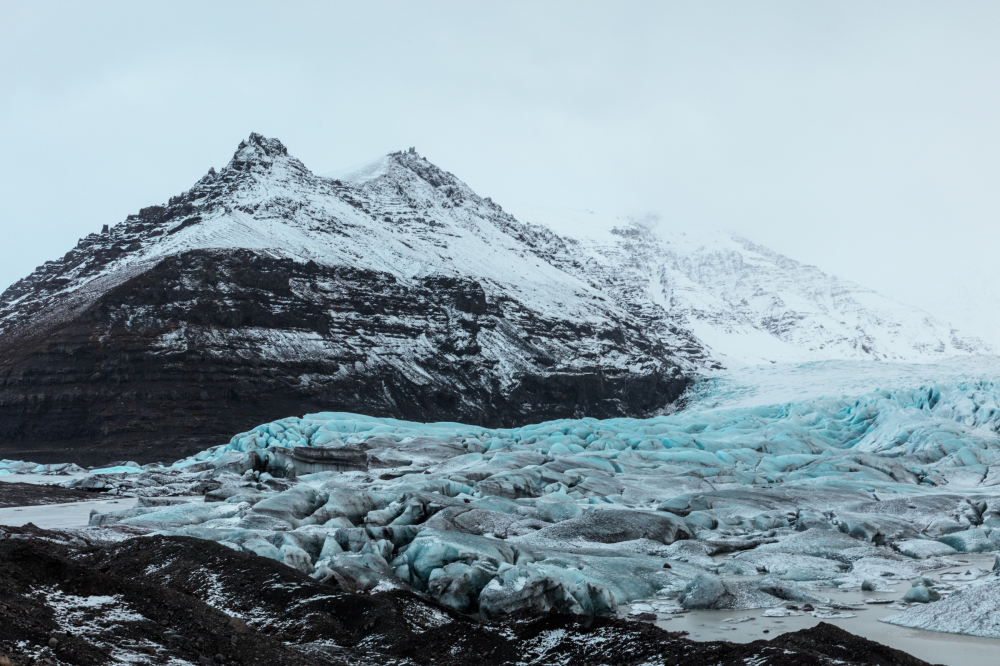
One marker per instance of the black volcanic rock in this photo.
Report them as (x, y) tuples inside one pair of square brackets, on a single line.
[(156, 599), (267, 291)]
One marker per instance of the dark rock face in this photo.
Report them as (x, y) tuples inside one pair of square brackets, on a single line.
[(205, 344)]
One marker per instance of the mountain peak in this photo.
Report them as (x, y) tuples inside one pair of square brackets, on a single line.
[(258, 143), (429, 172), (257, 153), (410, 171)]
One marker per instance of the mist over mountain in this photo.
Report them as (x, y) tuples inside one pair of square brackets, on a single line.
[(746, 303)]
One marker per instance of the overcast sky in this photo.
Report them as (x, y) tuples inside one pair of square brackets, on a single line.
[(859, 137)]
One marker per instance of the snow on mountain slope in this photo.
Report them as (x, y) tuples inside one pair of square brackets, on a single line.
[(748, 304), (407, 225), (976, 308), (268, 288), (404, 217)]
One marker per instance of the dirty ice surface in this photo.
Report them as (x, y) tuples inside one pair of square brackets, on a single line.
[(777, 486), (861, 612), (70, 515)]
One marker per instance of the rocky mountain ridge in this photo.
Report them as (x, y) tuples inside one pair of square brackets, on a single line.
[(266, 290), (745, 303)]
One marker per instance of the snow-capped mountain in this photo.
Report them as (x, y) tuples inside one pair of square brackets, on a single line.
[(395, 290), (266, 290), (745, 303)]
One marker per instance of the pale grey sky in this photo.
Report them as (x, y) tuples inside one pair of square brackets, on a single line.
[(861, 137)]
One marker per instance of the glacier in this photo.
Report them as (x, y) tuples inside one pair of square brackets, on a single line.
[(773, 486)]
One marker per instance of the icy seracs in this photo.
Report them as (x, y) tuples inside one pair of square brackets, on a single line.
[(840, 490)]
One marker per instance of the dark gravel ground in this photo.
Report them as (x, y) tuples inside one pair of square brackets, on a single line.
[(67, 599), (13, 493)]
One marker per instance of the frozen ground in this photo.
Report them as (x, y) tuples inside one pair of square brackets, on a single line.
[(793, 485)]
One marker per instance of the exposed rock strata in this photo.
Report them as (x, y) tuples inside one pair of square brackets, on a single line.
[(159, 599)]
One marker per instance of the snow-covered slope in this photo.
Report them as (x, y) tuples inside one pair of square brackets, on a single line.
[(397, 291), (404, 217), (748, 304)]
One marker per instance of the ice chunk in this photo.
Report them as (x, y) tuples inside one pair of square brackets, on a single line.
[(358, 572), (613, 526), (970, 611), (920, 594), (541, 588), (705, 591), (458, 585), (924, 548), (973, 540), (295, 557), (432, 550)]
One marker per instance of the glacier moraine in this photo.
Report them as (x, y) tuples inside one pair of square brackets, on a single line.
[(746, 499)]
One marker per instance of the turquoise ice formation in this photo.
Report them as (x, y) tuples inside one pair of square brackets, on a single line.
[(869, 486)]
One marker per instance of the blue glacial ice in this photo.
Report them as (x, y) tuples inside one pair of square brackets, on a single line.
[(18, 467), (808, 478)]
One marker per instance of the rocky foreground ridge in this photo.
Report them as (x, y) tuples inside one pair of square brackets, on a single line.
[(160, 600)]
